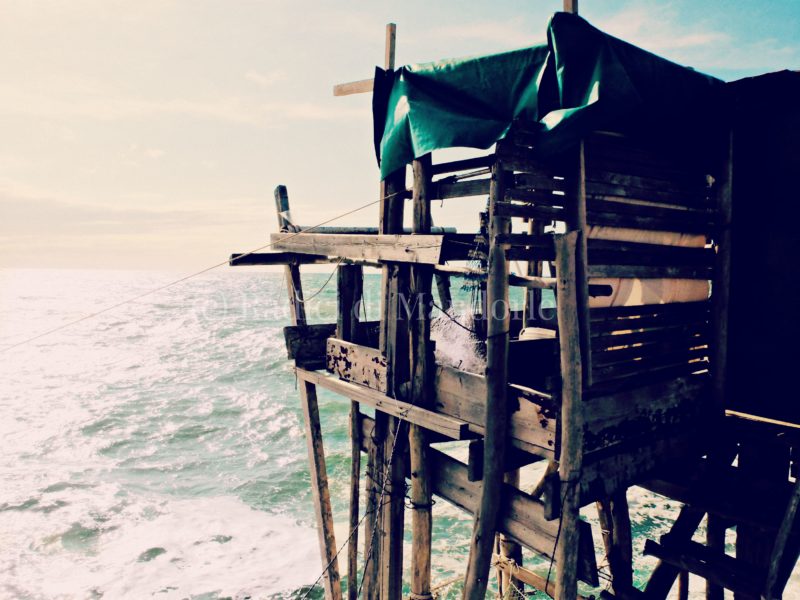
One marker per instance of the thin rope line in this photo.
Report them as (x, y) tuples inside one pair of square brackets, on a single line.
[(324, 285), (180, 280)]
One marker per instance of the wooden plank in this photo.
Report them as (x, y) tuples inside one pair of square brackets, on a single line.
[(423, 249), (361, 86), (612, 419), (615, 523), (488, 511), (463, 165), (649, 272), (357, 364), (522, 516), (306, 343), (362, 230), (442, 190), (719, 569), (313, 430), (450, 427), (274, 258), (532, 427)]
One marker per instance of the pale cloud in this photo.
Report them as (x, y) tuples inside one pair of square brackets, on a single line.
[(265, 80), (514, 33), (79, 99)]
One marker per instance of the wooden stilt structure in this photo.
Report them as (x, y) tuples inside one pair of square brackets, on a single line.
[(610, 393)]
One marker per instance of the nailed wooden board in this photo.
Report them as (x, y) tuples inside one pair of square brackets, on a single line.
[(612, 419), (521, 515), (423, 249), (533, 427), (449, 427), (356, 363)]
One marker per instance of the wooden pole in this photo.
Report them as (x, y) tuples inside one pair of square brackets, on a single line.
[(509, 549), (498, 317), (394, 337), (350, 282), (571, 418), (421, 392), (383, 534), (571, 6), (615, 521), (316, 453), (715, 539), (683, 585)]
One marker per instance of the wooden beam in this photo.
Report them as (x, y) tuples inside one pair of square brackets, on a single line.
[(488, 513), (422, 370), (391, 43), (394, 344), (354, 87), (571, 454), (522, 516), (571, 6), (316, 452), (422, 249), (719, 569), (449, 427), (349, 289)]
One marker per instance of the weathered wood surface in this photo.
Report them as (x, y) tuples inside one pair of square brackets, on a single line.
[(353, 87), (275, 258), (452, 428), (532, 427), (313, 430), (515, 458), (615, 418), (522, 516), (421, 371), (496, 399), (308, 343), (718, 569), (357, 364), (349, 290), (423, 249), (615, 523), (571, 419)]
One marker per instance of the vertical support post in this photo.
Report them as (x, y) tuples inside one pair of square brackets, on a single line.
[(443, 287), (421, 367), (498, 317), (308, 399), (720, 293), (615, 521), (381, 540), (533, 296), (510, 550), (571, 418), (394, 344), (571, 6), (715, 540), (350, 282), (683, 585)]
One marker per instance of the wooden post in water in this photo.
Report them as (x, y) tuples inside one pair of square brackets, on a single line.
[(421, 368), (350, 283), (308, 399), (496, 432), (615, 522)]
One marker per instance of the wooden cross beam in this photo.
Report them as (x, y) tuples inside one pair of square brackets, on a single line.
[(365, 85)]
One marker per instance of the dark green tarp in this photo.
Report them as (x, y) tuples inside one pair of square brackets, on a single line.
[(582, 79)]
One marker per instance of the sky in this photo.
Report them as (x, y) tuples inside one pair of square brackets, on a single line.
[(151, 134)]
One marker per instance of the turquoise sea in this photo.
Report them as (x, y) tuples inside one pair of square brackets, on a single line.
[(157, 451)]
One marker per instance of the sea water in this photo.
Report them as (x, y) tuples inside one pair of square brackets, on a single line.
[(158, 450)]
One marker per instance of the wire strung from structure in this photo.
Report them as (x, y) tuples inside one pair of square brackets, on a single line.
[(324, 285), (181, 279)]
